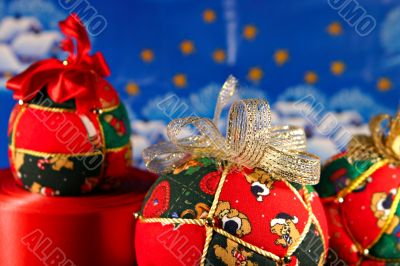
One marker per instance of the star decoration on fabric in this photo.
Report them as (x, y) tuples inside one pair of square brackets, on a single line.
[(337, 68), (147, 55), (209, 16), (281, 56), (250, 32), (187, 47), (179, 80)]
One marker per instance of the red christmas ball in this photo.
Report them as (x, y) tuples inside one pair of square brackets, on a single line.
[(256, 220)]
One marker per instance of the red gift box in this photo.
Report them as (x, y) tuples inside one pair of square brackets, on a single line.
[(91, 230)]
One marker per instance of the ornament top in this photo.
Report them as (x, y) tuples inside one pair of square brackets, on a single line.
[(383, 144), (74, 78), (251, 141)]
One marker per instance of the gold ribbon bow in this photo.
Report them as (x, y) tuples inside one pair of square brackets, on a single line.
[(384, 142), (250, 141)]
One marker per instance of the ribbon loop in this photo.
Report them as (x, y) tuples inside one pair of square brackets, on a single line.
[(250, 141), (76, 78), (384, 142)]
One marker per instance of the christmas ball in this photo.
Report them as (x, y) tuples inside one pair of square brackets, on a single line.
[(240, 199), (364, 222), (360, 190), (69, 132), (257, 220)]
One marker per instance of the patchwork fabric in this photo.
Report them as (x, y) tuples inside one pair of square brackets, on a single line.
[(188, 191), (57, 152), (224, 251), (338, 174), (58, 175), (250, 218), (158, 244), (116, 128), (365, 223)]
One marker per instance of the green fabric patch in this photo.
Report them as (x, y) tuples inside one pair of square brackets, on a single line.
[(310, 250), (67, 177), (388, 246), (343, 172), (112, 133), (43, 99), (186, 198), (223, 251)]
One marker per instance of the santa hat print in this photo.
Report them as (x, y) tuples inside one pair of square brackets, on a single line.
[(281, 218)]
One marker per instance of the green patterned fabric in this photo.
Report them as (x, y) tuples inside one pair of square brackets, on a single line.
[(327, 187), (310, 249), (61, 176), (43, 99), (186, 197), (113, 140), (227, 252), (388, 245)]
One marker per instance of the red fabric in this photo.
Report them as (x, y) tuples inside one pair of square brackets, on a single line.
[(76, 80), (355, 218), (54, 132), (281, 199), (356, 209), (158, 244), (90, 230), (339, 240), (319, 213), (117, 162)]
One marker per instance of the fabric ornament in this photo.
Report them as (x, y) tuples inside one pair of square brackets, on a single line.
[(69, 132), (243, 199), (360, 190)]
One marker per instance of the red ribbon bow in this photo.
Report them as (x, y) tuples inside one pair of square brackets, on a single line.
[(75, 78)]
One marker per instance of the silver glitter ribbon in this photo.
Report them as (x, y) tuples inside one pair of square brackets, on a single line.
[(250, 141)]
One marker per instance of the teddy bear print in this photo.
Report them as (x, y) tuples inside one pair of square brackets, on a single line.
[(56, 162), (186, 166), (284, 225), (261, 183), (233, 221), (381, 203), (19, 159), (233, 254)]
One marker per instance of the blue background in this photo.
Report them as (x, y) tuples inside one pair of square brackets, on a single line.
[(311, 32)]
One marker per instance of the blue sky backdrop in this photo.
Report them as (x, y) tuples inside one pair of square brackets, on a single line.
[(280, 49)]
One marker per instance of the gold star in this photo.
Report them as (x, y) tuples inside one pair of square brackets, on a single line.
[(281, 56), (187, 47), (179, 80), (132, 88), (250, 32), (384, 84), (209, 16), (337, 68), (147, 55), (334, 29), (219, 56), (311, 77), (255, 74)]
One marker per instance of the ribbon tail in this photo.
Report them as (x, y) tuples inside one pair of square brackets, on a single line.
[(73, 28), (163, 157), (27, 84), (294, 166), (224, 97)]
